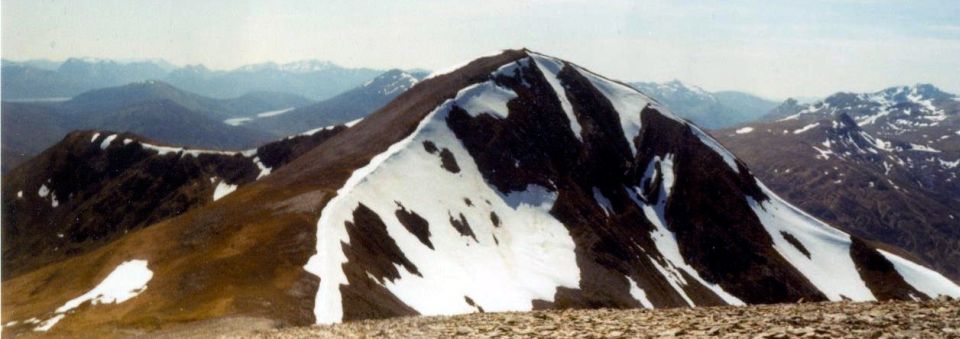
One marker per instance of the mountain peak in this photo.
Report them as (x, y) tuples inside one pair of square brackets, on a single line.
[(392, 81), (517, 181), (904, 107)]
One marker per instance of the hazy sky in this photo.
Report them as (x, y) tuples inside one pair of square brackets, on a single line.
[(772, 48)]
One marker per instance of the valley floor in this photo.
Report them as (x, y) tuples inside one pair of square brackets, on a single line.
[(931, 319)]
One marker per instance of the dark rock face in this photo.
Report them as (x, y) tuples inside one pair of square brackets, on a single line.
[(415, 224), (796, 243), (372, 252), (448, 161), (368, 237), (717, 222), (462, 226), (709, 214)]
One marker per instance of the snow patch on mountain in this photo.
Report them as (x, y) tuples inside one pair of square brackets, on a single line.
[(274, 112), (921, 278), (222, 189), (251, 153), (264, 170), (870, 119), (237, 121), (923, 148), (602, 201), (829, 266), (823, 154), (243, 120), (164, 150), (106, 141), (551, 68), (324, 128), (46, 325), (639, 294), (806, 128), (127, 280), (485, 98), (949, 164)]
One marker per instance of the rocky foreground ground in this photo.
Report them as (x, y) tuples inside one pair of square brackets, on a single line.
[(929, 319)]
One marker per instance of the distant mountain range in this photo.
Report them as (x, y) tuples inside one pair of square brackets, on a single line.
[(884, 165), (707, 109), (74, 76), (163, 112), (316, 80), (111, 98), (43, 79), (151, 108)]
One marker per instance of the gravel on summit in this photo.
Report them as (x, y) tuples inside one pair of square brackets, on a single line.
[(928, 319)]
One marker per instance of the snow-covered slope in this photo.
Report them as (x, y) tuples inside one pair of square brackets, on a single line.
[(502, 269)]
